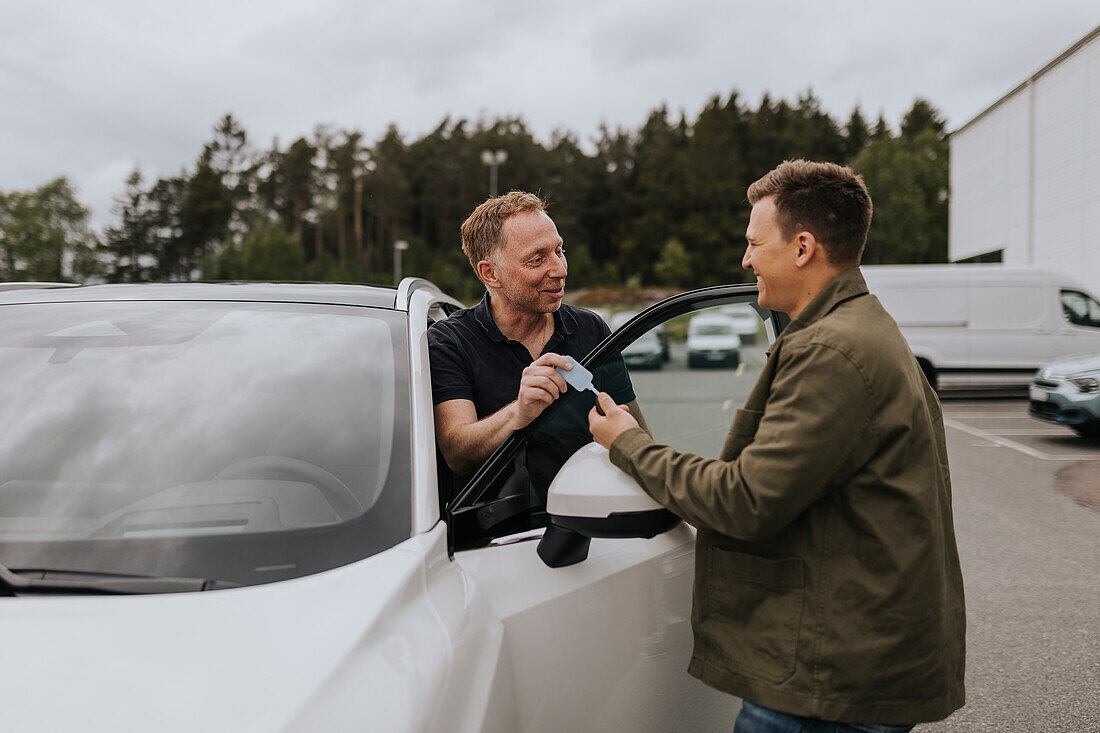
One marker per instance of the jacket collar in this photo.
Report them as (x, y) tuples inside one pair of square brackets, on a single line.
[(564, 321), (845, 286)]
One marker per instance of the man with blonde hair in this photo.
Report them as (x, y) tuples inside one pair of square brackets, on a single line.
[(828, 594), (493, 365)]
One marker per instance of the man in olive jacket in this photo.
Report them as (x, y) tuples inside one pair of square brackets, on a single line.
[(827, 580)]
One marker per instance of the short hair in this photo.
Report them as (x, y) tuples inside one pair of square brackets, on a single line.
[(482, 232), (828, 200)]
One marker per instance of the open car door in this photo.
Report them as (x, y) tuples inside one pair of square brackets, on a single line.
[(604, 642)]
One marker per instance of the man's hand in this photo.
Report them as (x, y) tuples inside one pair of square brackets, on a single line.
[(539, 386), (466, 441), (616, 420)]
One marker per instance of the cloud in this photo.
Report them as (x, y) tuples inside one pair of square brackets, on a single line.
[(648, 36), (99, 189), (89, 85)]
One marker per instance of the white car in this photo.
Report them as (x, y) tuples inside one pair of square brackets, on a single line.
[(644, 353), (1067, 392), (620, 319), (745, 321), (220, 509), (713, 341), (617, 320), (603, 313)]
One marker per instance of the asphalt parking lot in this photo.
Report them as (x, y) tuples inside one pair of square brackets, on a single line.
[(1005, 424), (1027, 519)]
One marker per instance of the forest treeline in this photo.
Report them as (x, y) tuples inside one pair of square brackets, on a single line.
[(660, 205)]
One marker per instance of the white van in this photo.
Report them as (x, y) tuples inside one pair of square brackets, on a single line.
[(986, 325)]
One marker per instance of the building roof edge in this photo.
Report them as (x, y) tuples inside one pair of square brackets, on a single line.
[(1088, 37)]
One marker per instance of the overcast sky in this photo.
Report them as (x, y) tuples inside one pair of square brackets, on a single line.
[(89, 89)]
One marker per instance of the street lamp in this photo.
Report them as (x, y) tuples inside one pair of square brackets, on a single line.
[(398, 247), (363, 165), (493, 159)]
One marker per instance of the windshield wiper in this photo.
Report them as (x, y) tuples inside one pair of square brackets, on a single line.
[(42, 581)]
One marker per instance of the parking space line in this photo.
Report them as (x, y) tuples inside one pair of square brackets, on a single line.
[(1026, 450), (1037, 433)]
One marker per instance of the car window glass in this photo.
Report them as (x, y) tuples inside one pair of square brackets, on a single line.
[(688, 396), (515, 500), (200, 425), (1080, 309)]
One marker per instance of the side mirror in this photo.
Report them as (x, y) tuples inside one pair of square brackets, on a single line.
[(589, 497)]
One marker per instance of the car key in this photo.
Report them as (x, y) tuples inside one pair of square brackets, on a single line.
[(580, 378)]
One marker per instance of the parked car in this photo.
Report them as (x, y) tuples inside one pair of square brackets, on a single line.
[(222, 508), (1067, 392), (980, 326), (645, 353), (603, 313), (745, 320), (713, 341), (619, 319)]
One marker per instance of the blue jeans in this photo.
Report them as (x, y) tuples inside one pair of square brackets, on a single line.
[(755, 719)]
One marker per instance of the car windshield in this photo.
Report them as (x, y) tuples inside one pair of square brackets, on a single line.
[(244, 442)]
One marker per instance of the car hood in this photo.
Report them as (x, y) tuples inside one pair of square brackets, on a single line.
[(1072, 365), (351, 647)]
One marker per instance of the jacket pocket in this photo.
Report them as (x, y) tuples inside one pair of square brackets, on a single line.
[(745, 422), (750, 613), (743, 430)]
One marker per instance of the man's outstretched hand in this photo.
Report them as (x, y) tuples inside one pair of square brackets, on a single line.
[(615, 420)]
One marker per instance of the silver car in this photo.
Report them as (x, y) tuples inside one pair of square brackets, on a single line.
[(1067, 392)]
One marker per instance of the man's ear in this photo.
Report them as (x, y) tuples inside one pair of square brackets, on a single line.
[(807, 249), (487, 271)]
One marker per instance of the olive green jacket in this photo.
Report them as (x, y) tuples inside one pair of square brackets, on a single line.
[(827, 580)]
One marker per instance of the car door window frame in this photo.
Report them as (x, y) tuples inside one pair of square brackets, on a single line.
[(462, 510), (424, 304)]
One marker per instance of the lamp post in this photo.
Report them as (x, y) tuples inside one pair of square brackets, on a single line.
[(494, 159), (364, 165), (398, 247)]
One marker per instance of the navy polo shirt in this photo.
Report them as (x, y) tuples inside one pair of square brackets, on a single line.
[(472, 360)]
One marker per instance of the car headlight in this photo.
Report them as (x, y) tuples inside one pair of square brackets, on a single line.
[(1087, 385)]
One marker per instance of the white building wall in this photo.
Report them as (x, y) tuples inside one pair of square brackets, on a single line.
[(989, 181), (1025, 175)]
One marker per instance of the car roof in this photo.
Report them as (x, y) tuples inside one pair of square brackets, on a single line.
[(960, 273), (326, 293)]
